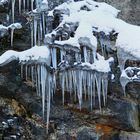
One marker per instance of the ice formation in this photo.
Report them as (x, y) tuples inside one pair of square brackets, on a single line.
[(102, 19), (37, 53), (12, 27), (2, 2), (72, 47), (130, 74)]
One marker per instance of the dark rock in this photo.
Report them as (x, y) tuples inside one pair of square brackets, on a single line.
[(87, 134), (124, 113), (129, 9), (129, 136), (64, 137)]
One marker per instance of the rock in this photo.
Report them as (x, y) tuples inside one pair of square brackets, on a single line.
[(129, 136), (87, 134), (129, 9), (124, 113)]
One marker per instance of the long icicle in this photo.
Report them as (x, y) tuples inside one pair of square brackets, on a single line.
[(48, 99), (13, 11), (12, 36), (35, 31), (98, 85), (19, 6)]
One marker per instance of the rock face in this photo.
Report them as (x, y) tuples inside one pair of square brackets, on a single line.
[(18, 98)]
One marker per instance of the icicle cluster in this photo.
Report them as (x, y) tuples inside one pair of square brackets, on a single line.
[(80, 69), (84, 83), (37, 10), (38, 28), (44, 81)]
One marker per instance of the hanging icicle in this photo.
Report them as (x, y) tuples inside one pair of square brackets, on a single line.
[(12, 36), (13, 11)]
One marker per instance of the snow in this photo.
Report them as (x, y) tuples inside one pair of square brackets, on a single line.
[(35, 53), (86, 20), (3, 27), (90, 4), (15, 26), (12, 26), (100, 17), (129, 40), (98, 65), (83, 36), (3, 2)]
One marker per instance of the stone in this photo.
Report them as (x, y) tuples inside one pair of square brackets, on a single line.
[(129, 136), (124, 113), (87, 134)]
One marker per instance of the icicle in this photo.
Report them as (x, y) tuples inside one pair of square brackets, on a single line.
[(12, 36), (94, 55), (66, 81), (104, 87), (38, 33), (124, 80), (74, 83), (62, 55), (43, 83), (85, 54), (32, 1), (48, 100), (7, 18), (93, 86), (28, 5), (63, 88), (38, 79), (32, 34), (24, 3), (13, 10), (70, 81), (35, 31), (32, 74), (41, 30), (84, 83), (79, 75), (88, 55), (54, 59), (98, 85), (54, 85), (43, 23), (19, 6), (91, 91), (88, 84), (21, 71), (26, 72)]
